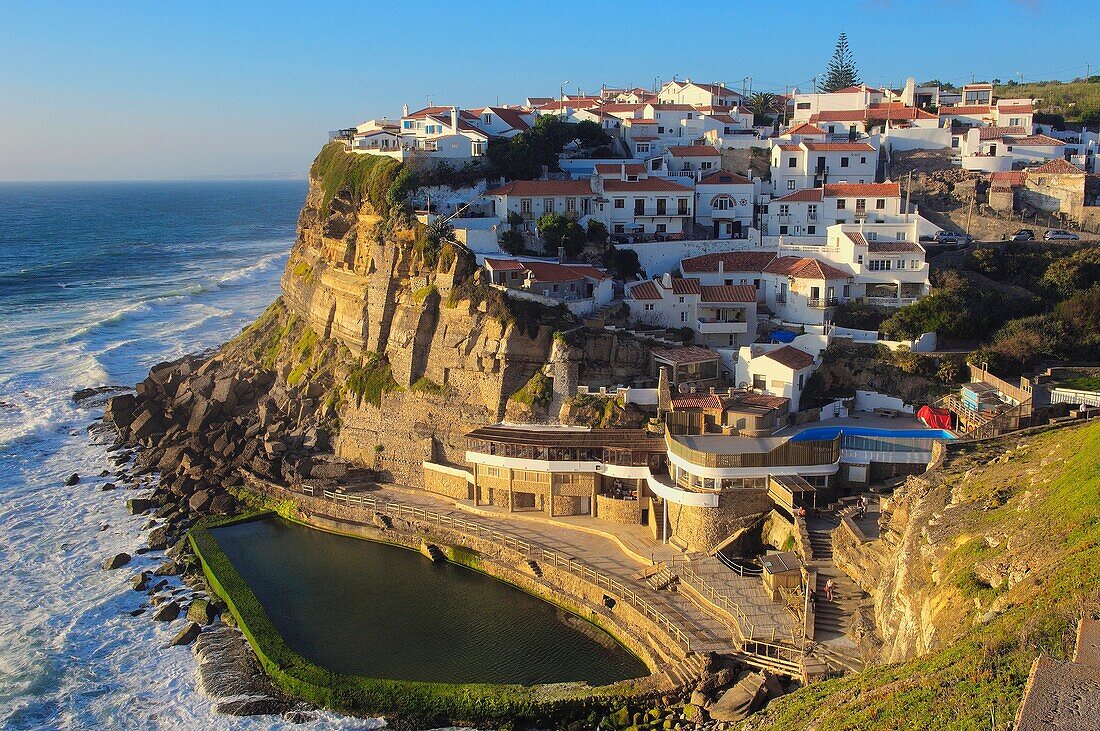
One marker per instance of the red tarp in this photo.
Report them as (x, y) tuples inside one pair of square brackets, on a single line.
[(935, 418)]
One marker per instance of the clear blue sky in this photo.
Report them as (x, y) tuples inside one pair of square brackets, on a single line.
[(112, 90)]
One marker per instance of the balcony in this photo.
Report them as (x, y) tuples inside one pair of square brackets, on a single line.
[(668, 213), (714, 326), (820, 303), (780, 298)]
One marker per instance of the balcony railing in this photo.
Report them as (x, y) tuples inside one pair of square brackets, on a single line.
[(823, 302), (713, 325), (780, 298)]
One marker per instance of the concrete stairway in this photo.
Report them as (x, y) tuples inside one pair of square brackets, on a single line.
[(686, 671), (432, 551), (535, 568), (831, 618)]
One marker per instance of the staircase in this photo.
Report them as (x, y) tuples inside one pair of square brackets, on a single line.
[(831, 618), (687, 671), (432, 551), (535, 568)]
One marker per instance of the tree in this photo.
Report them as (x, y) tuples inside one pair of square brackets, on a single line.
[(842, 71), (515, 220), (558, 231), (765, 104), (511, 241), (622, 263), (597, 232), (589, 134)]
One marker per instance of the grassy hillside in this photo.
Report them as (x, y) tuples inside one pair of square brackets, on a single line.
[(1017, 562), (1077, 101)]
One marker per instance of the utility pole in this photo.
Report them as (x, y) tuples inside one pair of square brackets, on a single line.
[(970, 213)]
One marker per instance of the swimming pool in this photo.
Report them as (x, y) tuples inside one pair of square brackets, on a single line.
[(830, 432)]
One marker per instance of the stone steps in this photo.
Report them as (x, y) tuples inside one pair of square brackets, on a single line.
[(535, 568), (686, 671), (432, 552)]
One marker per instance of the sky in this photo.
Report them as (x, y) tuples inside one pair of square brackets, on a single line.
[(168, 90)]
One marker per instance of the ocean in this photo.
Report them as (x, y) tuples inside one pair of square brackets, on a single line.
[(98, 282)]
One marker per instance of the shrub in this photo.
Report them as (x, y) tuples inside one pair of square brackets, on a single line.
[(367, 177), (372, 378), (512, 242), (538, 390)]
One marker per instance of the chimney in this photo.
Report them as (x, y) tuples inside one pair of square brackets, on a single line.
[(404, 110), (454, 120), (561, 254), (666, 281), (622, 171), (721, 266)]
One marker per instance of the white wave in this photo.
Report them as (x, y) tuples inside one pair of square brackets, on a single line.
[(244, 272)]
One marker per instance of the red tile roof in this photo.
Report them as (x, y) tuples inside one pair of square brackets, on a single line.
[(724, 178), (693, 151), (632, 122), (850, 90), (1056, 167), (674, 107), (661, 185), (856, 238), (643, 290), (543, 187), (838, 146), (996, 133), (791, 357), (1010, 178), (1037, 141), (512, 117), (805, 129), (504, 265), (732, 261), (544, 271), (728, 293), (868, 190), (696, 401), (805, 268), (790, 148), (964, 110), (681, 285), (893, 247), (1015, 109), (806, 195), (686, 354), (427, 112)]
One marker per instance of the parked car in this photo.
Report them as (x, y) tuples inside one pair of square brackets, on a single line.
[(1057, 234), (950, 238), (1023, 234)]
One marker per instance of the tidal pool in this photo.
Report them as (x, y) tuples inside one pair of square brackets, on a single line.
[(358, 607)]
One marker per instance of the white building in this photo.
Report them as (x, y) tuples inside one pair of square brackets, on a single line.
[(565, 283), (811, 164), (697, 94), (691, 161), (724, 203), (810, 211), (998, 149), (721, 316), (782, 371)]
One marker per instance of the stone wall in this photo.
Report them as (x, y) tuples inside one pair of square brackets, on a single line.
[(627, 512), (565, 505), (1002, 199), (701, 529), (444, 481), (1063, 194)]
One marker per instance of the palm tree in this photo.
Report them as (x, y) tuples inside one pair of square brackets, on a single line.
[(762, 102)]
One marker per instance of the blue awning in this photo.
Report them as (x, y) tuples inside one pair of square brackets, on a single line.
[(782, 336)]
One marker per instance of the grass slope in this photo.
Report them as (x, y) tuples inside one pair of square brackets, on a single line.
[(1037, 508)]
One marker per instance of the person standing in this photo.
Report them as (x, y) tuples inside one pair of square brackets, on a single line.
[(829, 585)]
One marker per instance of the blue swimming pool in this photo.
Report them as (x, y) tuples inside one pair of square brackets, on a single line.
[(830, 432)]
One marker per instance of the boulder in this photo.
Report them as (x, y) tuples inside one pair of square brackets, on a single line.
[(116, 561), (108, 486), (223, 504), (740, 701), (72, 479), (167, 612), (158, 538), (201, 612), (201, 416), (186, 635), (139, 505), (168, 568), (200, 501), (139, 582), (120, 410), (146, 424)]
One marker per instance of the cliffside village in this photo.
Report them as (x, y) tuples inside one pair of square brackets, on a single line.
[(740, 275)]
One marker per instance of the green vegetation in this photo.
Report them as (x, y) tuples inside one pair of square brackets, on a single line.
[(523, 157), (427, 385), (622, 263), (538, 390), (1082, 383), (421, 295), (264, 339), (303, 270), (1040, 505), (525, 315), (303, 353), (1077, 101), (371, 379), (557, 230), (1019, 303), (512, 242), (380, 180), (841, 72)]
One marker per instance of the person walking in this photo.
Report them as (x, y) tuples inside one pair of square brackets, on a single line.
[(829, 585)]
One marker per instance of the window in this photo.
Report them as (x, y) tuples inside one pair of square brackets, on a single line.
[(488, 118), (791, 162), (759, 381), (706, 165), (548, 205), (880, 204), (729, 282), (901, 263), (843, 162), (639, 206), (525, 205), (859, 259), (841, 204), (790, 184), (782, 230), (660, 130), (914, 264), (620, 202), (879, 265), (811, 230), (661, 206), (648, 307), (681, 206), (632, 178), (723, 203), (784, 209), (570, 204), (681, 300), (690, 115), (863, 161), (861, 204), (811, 211), (900, 236), (803, 105), (847, 291), (407, 124), (801, 380), (643, 147), (661, 228), (620, 228), (683, 317)]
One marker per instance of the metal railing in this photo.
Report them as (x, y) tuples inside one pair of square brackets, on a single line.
[(737, 568), (822, 302), (531, 550)]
